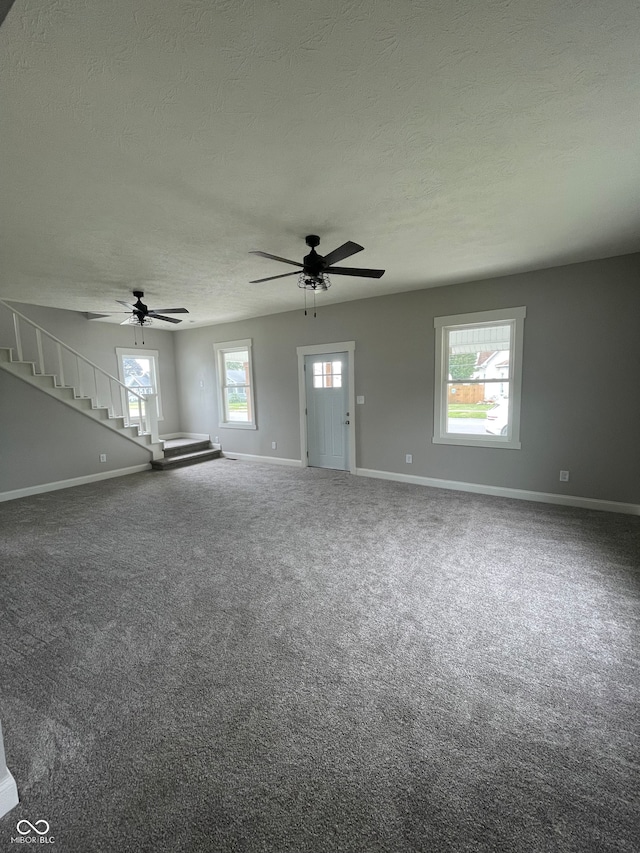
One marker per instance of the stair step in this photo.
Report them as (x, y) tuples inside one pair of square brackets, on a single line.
[(179, 460), (180, 446)]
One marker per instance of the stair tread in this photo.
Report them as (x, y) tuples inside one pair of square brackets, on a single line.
[(193, 453), (180, 446), (185, 458)]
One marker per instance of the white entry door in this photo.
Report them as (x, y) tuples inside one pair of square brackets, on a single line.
[(327, 401)]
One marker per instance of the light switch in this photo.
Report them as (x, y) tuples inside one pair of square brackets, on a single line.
[(360, 400)]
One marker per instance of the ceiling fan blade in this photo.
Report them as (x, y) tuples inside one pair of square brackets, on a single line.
[(276, 258), (355, 271), (168, 311), (127, 305), (271, 277), (167, 319), (345, 251)]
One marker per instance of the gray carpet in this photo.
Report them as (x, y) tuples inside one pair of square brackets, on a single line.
[(244, 657)]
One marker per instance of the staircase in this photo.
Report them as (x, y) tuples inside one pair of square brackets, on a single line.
[(185, 451), (63, 373)]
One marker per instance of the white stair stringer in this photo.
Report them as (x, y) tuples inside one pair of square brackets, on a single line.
[(47, 382)]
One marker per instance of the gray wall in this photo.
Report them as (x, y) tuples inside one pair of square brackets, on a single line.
[(44, 441), (580, 405), (580, 408)]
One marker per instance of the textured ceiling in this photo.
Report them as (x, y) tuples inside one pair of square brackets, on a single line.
[(152, 144)]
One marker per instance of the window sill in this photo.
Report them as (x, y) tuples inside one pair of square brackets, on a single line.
[(467, 441), (233, 425)]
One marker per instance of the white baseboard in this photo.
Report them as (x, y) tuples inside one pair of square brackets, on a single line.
[(196, 436), (504, 492), (8, 794), (251, 457), (74, 481)]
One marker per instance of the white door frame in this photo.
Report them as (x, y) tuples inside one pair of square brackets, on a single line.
[(320, 349)]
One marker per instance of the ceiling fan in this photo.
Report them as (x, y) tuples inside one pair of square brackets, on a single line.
[(141, 315), (313, 272)]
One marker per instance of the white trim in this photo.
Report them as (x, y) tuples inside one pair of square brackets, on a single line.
[(154, 354), (8, 794), (74, 481), (8, 790), (479, 441), (201, 436), (238, 425), (478, 317), (319, 349), (252, 457), (515, 317), (504, 492), (230, 346)]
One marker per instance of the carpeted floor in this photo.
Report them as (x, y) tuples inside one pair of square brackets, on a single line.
[(243, 657)]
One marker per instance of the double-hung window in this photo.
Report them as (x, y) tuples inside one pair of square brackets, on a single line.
[(138, 370), (235, 384), (479, 378)]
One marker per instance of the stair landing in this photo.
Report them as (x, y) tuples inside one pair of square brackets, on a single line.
[(185, 451)]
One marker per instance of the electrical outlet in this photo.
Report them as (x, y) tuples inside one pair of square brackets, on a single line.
[(564, 476), (408, 458), (216, 440), (274, 445), (360, 400), (103, 457)]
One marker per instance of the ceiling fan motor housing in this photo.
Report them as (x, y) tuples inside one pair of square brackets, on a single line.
[(314, 263), (139, 307)]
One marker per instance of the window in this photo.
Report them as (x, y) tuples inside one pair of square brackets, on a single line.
[(235, 384), (478, 378), (138, 370), (327, 374)]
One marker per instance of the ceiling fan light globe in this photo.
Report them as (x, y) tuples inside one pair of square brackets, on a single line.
[(314, 282)]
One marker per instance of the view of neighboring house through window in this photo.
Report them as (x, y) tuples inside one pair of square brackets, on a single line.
[(235, 384), (139, 371), (478, 378)]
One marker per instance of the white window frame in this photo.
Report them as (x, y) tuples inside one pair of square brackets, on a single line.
[(443, 325), (153, 354), (220, 349)]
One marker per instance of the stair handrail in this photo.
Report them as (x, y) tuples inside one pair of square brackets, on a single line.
[(150, 411)]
